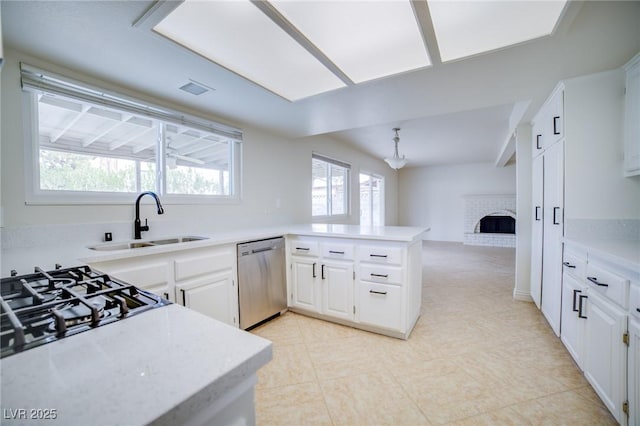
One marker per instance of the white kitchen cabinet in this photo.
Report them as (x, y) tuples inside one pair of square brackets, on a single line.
[(322, 284), (574, 294), (205, 281), (634, 369), (537, 194), (337, 285), (632, 118), (303, 279), (548, 123), (553, 212), (606, 353), (386, 296), (213, 295), (151, 273), (380, 305)]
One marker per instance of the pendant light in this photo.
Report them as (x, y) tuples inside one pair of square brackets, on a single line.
[(396, 162)]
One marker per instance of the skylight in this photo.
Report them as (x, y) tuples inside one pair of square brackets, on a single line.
[(466, 28), (365, 39), (238, 36)]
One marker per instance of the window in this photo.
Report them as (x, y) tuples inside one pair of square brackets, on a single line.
[(92, 147), (371, 200), (330, 187)]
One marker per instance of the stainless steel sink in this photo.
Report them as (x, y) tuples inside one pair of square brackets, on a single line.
[(140, 244), (177, 240)]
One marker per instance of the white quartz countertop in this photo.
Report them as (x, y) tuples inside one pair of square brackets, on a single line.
[(23, 259), (625, 253), (162, 365)]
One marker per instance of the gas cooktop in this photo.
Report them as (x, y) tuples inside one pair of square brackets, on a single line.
[(49, 305)]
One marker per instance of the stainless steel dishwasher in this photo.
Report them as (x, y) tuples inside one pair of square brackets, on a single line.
[(262, 288)]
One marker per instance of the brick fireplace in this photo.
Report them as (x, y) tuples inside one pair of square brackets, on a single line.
[(495, 210)]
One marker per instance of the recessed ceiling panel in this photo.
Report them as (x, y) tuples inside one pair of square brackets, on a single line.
[(365, 39), (466, 28), (238, 36)]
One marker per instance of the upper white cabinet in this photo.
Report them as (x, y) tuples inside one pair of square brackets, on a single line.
[(548, 124), (632, 118)]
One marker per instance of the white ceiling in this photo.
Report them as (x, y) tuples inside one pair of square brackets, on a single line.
[(449, 113)]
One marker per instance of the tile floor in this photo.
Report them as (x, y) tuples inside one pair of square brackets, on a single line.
[(475, 357)]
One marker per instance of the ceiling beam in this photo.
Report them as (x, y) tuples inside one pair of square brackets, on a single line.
[(423, 17), (278, 19)]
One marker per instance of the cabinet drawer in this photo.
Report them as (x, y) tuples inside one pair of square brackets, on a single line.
[(148, 276), (611, 285), (301, 247), (381, 274), (634, 302), (203, 263), (337, 251), (574, 264), (380, 254), (380, 305)]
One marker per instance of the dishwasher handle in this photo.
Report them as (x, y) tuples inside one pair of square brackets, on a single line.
[(262, 249)]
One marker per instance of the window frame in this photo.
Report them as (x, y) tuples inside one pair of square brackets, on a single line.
[(347, 189), (34, 195), (382, 200)]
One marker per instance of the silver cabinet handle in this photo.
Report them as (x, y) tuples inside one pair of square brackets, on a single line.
[(378, 292)]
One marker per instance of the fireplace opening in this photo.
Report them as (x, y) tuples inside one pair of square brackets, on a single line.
[(497, 225)]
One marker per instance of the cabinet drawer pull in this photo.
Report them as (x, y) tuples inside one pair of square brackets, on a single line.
[(322, 271), (302, 248), (166, 295), (378, 292), (537, 211), (538, 146), (568, 265), (595, 281), (378, 255), (580, 306), (313, 271), (575, 293), (555, 209), (336, 252), (556, 131), (380, 275), (184, 297)]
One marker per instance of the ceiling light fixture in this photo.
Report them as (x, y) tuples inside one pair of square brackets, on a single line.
[(396, 162)]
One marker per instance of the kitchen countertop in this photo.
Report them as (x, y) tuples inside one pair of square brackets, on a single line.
[(625, 253), (162, 365), (24, 259)]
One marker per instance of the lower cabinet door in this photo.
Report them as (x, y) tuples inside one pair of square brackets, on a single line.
[(213, 296), (337, 281), (380, 305), (305, 275), (634, 372), (573, 317), (606, 354)]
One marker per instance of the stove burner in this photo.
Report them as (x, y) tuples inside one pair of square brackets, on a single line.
[(42, 307)]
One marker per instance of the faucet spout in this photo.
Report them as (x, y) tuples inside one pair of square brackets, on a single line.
[(137, 227)]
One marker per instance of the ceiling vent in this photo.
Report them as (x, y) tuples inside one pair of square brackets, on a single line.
[(194, 89)]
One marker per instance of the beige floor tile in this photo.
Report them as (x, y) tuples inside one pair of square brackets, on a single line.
[(370, 399), (290, 365), (294, 405), (475, 357), (565, 408)]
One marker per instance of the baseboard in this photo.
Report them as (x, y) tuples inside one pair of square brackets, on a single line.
[(522, 296)]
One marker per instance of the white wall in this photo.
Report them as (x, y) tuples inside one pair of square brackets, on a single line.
[(433, 196), (276, 171), (595, 187), (522, 288)]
